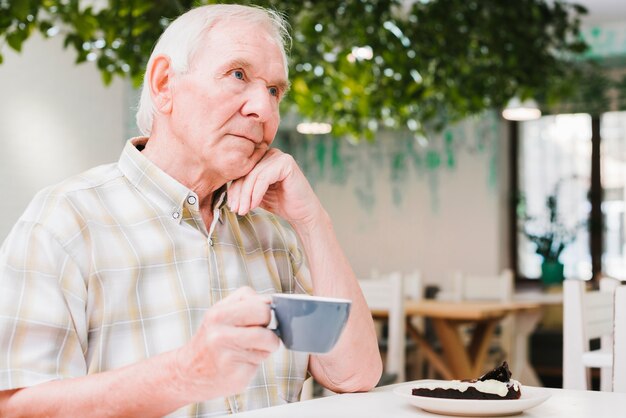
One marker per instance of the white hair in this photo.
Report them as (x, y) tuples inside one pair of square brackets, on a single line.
[(183, 38)]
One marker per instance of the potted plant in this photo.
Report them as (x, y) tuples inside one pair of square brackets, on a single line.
[(550, 235)]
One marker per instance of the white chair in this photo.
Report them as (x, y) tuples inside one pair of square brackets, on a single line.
[(619, 341), (587, 314), (413, 286), (414, 291), (472, 287), (483, 287), (387, 294)]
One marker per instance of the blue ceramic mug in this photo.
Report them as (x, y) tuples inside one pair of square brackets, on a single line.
[(309, 323)]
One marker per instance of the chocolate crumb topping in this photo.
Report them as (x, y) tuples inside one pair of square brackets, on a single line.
[(501, 374)]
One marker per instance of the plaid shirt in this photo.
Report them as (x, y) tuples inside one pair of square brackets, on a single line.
[(116, 265)]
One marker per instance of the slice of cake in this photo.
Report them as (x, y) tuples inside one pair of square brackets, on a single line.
[(496, 384)]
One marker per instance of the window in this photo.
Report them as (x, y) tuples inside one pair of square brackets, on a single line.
[(555, 159), (554, 156), (613, 169)]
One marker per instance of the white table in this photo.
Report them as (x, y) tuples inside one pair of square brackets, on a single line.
[(382, 403)]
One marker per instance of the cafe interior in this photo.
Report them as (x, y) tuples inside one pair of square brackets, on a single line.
[(485, 216)]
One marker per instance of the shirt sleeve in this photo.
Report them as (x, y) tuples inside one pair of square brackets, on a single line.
[(43, 331), (299, 264)]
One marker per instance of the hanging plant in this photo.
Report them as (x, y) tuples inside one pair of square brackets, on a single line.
[(417, 65)]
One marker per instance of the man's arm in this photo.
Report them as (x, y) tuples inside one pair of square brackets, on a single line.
[(341, 370), (219, 361), (149, 388), (278, 185)]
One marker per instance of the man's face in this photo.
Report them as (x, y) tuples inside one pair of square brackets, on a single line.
[(225, 109)]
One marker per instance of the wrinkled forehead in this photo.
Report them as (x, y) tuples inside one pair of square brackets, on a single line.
[(242, 29)]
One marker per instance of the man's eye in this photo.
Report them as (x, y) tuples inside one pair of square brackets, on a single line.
[(238, 74), (273, 91)]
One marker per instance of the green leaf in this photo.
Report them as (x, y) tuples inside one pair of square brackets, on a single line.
[(20, 8), (140, 28), (44, 26), (80, 58), (137, 80), (107, 77), (142, 8), (15, 40)]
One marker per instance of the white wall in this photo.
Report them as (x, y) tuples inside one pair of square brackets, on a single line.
[(465, 230), (56, 119)]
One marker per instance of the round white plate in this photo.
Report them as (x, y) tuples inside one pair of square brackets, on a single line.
[(531, 396)]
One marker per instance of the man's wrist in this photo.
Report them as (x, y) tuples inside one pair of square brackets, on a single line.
[(318, 221), (177, 369)]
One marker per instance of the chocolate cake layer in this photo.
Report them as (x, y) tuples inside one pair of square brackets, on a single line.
[(469, 393)]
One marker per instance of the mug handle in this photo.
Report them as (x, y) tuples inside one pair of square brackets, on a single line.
[(273, 325)]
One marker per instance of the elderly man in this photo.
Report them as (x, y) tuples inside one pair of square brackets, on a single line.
[(142, 288)]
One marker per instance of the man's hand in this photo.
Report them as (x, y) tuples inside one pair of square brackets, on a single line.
[(277, 184), (226, 351)]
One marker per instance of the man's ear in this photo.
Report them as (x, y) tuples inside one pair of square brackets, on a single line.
[(160, 79)]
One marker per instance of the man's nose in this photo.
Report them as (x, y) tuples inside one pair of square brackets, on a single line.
[(259, 104)]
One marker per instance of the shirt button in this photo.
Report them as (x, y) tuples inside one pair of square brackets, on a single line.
[(191, 200), (175, 215), (211, 242)]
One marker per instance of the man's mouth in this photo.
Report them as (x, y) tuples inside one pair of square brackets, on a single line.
[(256, 142)]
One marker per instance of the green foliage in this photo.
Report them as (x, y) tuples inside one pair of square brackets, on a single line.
[(433, 62), (592, 91)]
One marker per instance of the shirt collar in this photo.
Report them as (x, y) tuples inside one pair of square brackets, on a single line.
[(158, 186)]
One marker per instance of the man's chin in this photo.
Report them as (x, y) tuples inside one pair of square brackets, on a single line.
[(241, 161), (241, 169)]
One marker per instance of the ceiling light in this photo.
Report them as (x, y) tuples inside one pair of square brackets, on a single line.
[(314, 128), (521, 111)]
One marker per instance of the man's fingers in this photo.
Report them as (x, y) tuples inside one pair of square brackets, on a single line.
[(244, 314), (243, 308), (233, 194), (259, 188), (243, 194), (241, 293), (259, 177), (258, 341)]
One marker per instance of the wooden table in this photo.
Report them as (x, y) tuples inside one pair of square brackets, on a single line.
[(383, 402), (459, 361), (524, 324)]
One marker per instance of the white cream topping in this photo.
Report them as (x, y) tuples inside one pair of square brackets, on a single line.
[(488, 386)]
